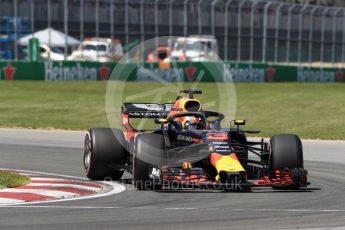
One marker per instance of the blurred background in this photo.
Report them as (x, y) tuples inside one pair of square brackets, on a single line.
[(304, 31), (284, 42)]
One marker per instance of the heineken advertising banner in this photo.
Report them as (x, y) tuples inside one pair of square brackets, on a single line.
[(55, 71), (77, 71), (21, 71), (181, 71)]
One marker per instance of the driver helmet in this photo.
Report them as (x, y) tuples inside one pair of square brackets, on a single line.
[(193, 123), (184, 104)]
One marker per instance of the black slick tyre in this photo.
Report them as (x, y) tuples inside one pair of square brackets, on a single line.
[(286, 152), (104, 147), (149, 152)]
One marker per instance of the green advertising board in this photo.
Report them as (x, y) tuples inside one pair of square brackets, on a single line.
[(16, 70), (34, 50), (74, 71), (180, 71)]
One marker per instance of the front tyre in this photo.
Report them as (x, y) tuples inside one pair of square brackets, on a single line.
[(104, 147), (149, 152), (286, 152)]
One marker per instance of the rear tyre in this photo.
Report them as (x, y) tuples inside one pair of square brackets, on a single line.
[(104, 147), (149, 152), (286, 152)]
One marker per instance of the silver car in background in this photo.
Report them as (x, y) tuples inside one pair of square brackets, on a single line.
[(98, 49)]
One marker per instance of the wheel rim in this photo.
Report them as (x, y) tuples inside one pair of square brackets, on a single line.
[(87, 153)]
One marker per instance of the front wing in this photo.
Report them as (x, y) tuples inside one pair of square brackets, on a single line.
[(172, 178)]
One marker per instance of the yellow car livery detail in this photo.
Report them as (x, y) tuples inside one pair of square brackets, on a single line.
[(229, 163)]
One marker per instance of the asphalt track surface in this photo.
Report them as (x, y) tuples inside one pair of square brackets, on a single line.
[(320, 206)]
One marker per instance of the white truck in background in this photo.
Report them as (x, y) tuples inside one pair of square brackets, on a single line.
[(194, 48), (98, 49)]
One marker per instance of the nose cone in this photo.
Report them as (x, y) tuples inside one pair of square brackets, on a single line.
[(226, 165)]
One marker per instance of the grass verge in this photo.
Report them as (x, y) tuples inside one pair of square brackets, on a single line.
[(312, 110), (12, 180)]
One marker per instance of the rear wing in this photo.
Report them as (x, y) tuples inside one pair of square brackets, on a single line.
[(146, 110), (142, 110)]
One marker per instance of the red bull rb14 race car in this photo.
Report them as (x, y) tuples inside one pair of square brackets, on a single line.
[(190, 150)]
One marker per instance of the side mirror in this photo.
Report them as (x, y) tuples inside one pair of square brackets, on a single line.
[(239, 122), (161, 121)]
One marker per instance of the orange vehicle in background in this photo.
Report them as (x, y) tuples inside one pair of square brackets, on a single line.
[(160, 54)]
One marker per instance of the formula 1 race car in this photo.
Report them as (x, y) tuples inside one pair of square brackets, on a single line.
[(191, 150)]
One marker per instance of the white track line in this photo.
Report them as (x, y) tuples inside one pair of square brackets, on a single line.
[(9, 201), (66, 185), (179, 208), (53, 193), (45, 178)]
